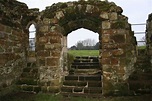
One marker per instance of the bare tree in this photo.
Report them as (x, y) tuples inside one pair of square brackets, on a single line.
[(142, 41), (89, 42)]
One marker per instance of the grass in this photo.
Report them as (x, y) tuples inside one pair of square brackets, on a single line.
[(141, 47), (52, 97), (84, 52)]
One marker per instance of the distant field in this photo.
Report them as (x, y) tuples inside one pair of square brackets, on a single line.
[(84, 52), (141, 47)]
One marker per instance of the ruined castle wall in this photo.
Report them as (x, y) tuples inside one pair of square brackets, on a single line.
[(149, 35), (14, 17), (12, 58), (117, 50)]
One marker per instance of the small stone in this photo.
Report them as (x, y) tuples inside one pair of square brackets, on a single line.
[(104, 15), (105, 38), (46, 21), (89, 8), (106, 25), (113, 16), (44, 29), (49, 46), (59, 15)]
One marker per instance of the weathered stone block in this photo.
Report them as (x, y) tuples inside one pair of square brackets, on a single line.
[(44, 89), (89, 8), (118, 25), (1, 49), (104, 15), (59, 15), (3, 35), (55, 53), (40, 47), (105, 38), (54, 89), (43, 40), (55, 39), (54, 21), (110, 31), (41, 62), (106, 25), (43, 53), (106, 54), (46, 21), (2, 27), (114, 61), (55, 82), (118, 52), (44, 29), (57, 46), (17, 33), (118, 38), (49, 46), (105, 61), (113, 16), (52, 61)]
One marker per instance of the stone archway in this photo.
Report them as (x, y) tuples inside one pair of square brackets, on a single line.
[(118, 44)]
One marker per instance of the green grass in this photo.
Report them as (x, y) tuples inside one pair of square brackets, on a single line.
[(52, 97), (84, 52), (141, 47)]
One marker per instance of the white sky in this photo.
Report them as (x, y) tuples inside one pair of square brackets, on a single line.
[(136, 10)]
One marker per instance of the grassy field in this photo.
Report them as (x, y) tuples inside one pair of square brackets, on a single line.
[(84, 52), (141, 47)]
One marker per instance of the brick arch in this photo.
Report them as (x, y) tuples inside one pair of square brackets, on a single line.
[(105, 18)]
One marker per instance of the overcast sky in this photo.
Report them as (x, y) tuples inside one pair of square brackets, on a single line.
[(136, 10)]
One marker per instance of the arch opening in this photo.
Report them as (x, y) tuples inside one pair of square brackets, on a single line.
[(32, 37), (85, 38)]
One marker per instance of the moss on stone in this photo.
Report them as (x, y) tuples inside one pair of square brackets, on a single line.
[(118, 25)]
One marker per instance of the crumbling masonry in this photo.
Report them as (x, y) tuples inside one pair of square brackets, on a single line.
[(44, 70)]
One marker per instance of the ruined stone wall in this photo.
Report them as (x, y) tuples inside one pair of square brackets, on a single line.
[(14, 17), (117, 42), (12, 58), (117, 52), (149, 35)]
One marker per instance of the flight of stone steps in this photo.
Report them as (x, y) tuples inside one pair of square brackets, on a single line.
[(84, 78), (28, 81), (141, 80)]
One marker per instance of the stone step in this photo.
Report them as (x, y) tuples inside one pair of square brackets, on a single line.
[(85, 71), (29, 75), (29, 88), (31, 64), (85, 60), (87, 90), (30, 70), (139, 85), (83, 83), (85, 66), (141, 76), (86, 57), (27, 81), (65, 94), (85, 63), (83, 77), (143, 91)]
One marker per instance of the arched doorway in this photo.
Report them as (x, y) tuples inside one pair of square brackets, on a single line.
[(31, 46), (118, 45), (32, 37)]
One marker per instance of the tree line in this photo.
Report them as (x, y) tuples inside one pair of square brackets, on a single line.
[(88, 44)]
